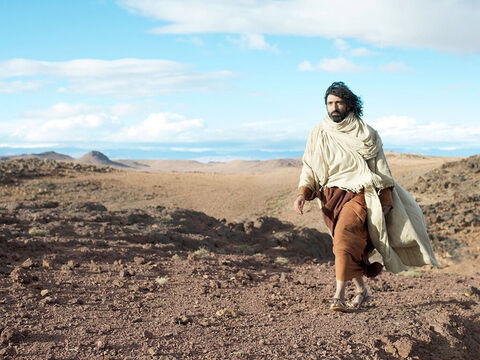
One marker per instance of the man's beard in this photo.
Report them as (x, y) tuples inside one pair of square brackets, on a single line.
[(338, 115)]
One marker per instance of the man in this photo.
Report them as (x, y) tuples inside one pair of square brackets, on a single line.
[(345, 168)]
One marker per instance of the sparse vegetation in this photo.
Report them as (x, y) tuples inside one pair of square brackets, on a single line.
[(411, 273), (201, 253), (37, 232), (281, 260), (247, 249), (176, 257), (240, 354), (161, 280)]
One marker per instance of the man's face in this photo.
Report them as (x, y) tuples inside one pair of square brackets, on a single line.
[(336, 108)]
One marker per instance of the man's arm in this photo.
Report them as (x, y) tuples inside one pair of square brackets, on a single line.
[(306, 184)]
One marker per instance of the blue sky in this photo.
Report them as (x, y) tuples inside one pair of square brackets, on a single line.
[(239, 78)]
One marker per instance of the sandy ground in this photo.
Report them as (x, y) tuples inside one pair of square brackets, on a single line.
[(216, 265)]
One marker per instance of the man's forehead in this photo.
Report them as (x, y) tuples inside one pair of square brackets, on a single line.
[(333, 98)]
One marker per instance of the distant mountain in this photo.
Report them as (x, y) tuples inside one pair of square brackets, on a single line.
[(49, 155), (100, 159)]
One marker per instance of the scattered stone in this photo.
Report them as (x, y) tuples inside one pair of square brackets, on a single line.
[(183, 320), (66, 267), (8, 351), (126, 272), (46, 264), (48, 300), (227, 312), (44, 292), (10, 335), (148, 334), (152, 351), (404, 347), (139, 260), (204, 322), (100, 344), (21, 276), (473, 291), (27, 264)]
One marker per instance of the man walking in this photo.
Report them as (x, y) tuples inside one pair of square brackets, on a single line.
[(345, 168)]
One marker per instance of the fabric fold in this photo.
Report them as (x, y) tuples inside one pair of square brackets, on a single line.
[(349, 155)]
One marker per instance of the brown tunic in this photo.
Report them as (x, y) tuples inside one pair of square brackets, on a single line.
[(345, 214)]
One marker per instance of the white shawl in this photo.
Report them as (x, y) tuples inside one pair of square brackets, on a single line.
[(349, 155)]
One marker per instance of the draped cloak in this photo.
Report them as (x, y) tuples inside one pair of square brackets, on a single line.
[(348, 155)]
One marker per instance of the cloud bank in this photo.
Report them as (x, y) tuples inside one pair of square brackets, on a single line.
[(122, 77), (446, 25), (404, 130)]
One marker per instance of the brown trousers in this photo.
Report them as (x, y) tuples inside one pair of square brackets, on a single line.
[(345, 214), (350, 238)]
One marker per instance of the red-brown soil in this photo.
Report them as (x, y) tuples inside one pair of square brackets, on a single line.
[(97, 263)]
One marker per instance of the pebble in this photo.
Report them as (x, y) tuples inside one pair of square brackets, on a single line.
[(227, 312), (27, 264), (10, 335), (100, 344), (183, 320), (138, 260), (148, 334), (404, 347)]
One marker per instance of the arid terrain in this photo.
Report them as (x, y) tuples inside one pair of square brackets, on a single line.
[(184, 260)]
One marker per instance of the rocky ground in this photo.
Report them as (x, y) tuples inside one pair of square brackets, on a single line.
[(83, 278), (450, 199)]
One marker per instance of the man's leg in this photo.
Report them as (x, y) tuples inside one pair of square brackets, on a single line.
[(340, 291), (359, 284), (338, 303), (361, 293)]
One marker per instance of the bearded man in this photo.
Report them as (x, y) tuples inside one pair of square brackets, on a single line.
[(345, 169)]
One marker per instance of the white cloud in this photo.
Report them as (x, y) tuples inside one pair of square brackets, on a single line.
[(160, 127), (305, 66), (13, 87), (447, 25), (122, 77), (192, 149), (28, 146), (60, 111), (253, 42), (341, 44), (361, 51), (344, 47), (195, 40), (61, 122), (339, 65), (401, 130), (64, 123), (395, 67)]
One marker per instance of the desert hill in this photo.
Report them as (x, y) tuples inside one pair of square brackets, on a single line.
[(99, 159), (101, 263), (49, 155)]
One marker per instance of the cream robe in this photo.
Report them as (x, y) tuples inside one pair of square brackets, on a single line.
[(349, 155)]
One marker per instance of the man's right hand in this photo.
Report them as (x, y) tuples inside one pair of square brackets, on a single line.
[(298, 204)]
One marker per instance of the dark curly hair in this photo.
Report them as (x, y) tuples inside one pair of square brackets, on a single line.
[(354, 103)]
